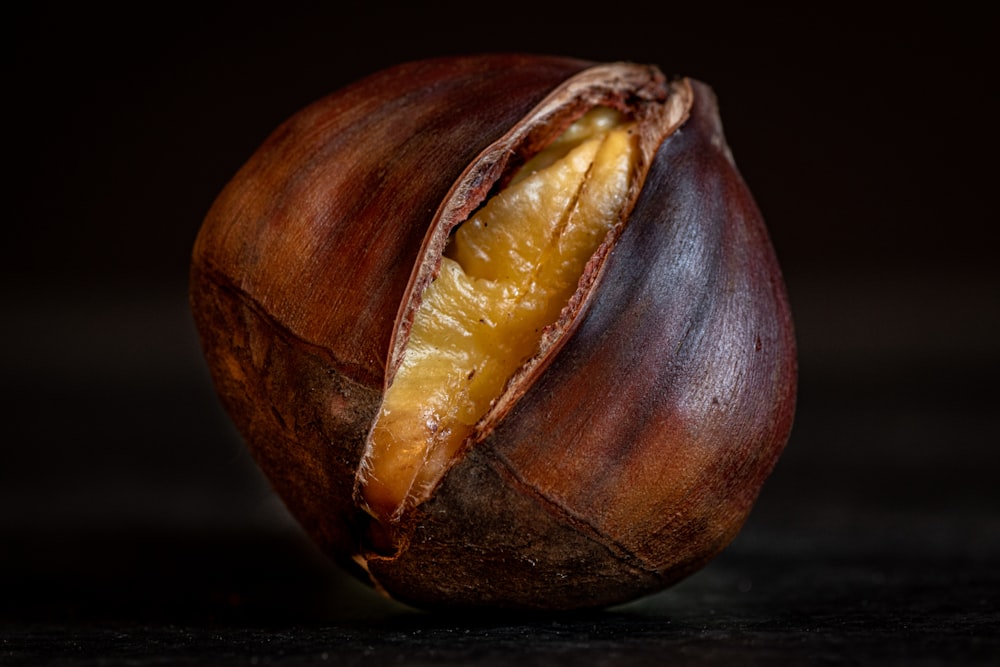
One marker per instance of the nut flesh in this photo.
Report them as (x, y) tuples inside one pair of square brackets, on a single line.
[(506, 275)]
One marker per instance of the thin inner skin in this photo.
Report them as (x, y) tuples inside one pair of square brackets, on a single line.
[(507, 273)]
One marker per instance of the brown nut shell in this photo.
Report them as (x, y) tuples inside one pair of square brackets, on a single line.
[(625, 455)]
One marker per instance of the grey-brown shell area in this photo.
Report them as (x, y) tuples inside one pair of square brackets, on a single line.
[(303, 421)]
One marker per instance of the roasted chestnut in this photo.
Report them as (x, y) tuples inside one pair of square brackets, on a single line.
[(502, 331)]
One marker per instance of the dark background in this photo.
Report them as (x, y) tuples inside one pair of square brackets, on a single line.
[(133, 525)]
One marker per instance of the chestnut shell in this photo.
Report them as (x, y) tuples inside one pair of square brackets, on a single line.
[(635, 452)]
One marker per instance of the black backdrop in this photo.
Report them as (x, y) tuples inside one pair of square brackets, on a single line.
[(127, 500)]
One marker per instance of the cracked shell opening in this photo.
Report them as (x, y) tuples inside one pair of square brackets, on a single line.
[(506, 276)]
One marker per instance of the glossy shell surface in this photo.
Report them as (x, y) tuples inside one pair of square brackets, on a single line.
[(632, 452)]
